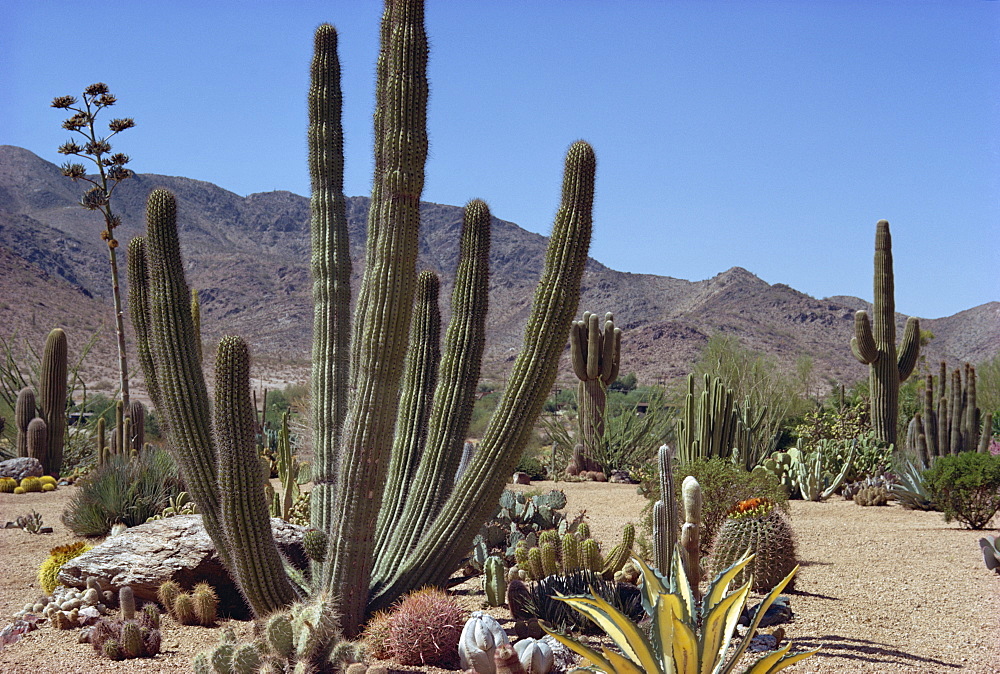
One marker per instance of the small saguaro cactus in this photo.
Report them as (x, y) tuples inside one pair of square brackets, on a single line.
[(877, 347), (595, 348), (52, 398), (24, 412)]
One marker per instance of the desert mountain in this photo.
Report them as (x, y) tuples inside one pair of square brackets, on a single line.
[(249, 258)]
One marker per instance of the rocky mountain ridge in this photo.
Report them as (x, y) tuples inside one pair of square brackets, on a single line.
[(249, 258)]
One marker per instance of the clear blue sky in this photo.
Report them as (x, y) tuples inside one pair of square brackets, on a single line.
[(766, 134)]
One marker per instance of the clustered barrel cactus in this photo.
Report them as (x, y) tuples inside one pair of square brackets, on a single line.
[(358, 362), (877, 347)]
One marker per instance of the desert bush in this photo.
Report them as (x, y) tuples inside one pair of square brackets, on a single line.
[(966, 487), (123, 490), (532, 466)]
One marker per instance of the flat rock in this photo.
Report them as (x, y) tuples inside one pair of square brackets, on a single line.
[(174, 548), (21, 467)]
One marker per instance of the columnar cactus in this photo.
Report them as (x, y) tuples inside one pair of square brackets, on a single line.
[(24, 412), (953, 424), (877, 348), (348, 492), (595, 349), (139, 313), (665, 519), (52, 397), (38, 440), (244, 509), (691, 531), (715, 424)]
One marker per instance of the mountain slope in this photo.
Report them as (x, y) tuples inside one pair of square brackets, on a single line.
[(249, 259)]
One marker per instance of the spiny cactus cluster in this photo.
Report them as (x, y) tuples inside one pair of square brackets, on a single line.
[(757, 525), (295, 640), (197, 607), (876, 347), (537, 599), (123, 639), (560, 555), (48, 572), (872, 496), (804, 474), (520, 518), (44, 483), (950, 421)]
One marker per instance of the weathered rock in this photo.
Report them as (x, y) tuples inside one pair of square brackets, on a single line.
[(174, 548), (521, 478), (21, 467), (621, 477)]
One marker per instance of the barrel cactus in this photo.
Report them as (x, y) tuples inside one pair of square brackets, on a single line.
[(758, 525)]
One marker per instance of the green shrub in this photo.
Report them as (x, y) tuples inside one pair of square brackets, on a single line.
[(966, 487), (532, 466), (123, 490)]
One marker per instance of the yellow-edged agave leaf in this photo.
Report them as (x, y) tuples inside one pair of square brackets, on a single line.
[(685, 648), (717, 590), (752, 629), (679, 580), (667, 606), (623, 665), (652, 585), (786, 661), (717, 628), (599, 661), (616, 625)]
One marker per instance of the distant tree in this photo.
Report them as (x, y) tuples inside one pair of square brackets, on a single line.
[(625, 383)]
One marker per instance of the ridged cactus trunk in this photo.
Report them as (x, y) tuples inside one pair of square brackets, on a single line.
[(474, 497), (257, 563), (331, 272), (24, 412), (137, 271), (454, 395), (381, 328), (876, 346), (595, 349), (416, 398), (52, 398)]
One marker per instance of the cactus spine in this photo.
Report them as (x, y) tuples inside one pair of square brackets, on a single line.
[(52, 398), (877, 347), (595, 349), (257, 563), (24, 412)]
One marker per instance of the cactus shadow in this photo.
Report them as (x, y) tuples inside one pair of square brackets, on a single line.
[(835, 646)]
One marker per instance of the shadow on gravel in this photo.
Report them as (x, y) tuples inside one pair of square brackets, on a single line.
[(867, 651)]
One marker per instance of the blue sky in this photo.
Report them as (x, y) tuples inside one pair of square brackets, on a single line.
[(765, 134)]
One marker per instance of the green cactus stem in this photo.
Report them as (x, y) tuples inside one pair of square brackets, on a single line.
[(139, 312), (665, 520), (52, 398), (196, 321), (595, 350), (877, 347), (24, 411), (331, 273), (38, 440), (380, 337), (495, 581), (257, 562), (691, 531)]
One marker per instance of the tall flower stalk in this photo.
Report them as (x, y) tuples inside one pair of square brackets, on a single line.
[(110, 172)]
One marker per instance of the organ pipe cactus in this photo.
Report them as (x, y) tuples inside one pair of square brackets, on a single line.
[(595, 349), (352, 457), (665, 520), (52, 398), (952, 423), (714, 424), (875, 344)]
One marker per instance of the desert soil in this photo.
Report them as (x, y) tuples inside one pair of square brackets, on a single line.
[(880, 589)]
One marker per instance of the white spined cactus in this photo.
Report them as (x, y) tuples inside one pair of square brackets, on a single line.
[(480, 637)]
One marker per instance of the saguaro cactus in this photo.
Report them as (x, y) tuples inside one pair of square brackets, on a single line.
[(595, 349), (877, 348), (24, 412), (52, 397)]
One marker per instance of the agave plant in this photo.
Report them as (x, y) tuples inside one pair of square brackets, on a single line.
[(674, 643)]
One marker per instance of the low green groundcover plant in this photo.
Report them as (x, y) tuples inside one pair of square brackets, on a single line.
[(966, 487), (124, 489)]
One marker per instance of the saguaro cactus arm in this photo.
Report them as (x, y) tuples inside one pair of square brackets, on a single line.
[(909, 348), (863, 343)]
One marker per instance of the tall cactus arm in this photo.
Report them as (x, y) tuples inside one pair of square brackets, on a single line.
[(612, 352), (455, 394), (863, 343), (331, 272), (381, 333), (183, 393), (909, 348), (416, 398), (138, 309), (257, 562), (474, 497)]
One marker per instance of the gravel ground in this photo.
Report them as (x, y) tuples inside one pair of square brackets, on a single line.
[(880, 589)]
